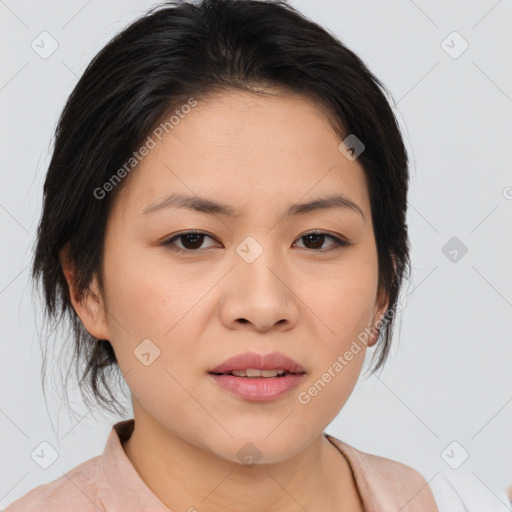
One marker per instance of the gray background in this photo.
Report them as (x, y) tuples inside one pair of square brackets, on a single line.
[(449, 375)]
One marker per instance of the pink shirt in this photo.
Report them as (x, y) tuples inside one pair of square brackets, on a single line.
[(110, 483)]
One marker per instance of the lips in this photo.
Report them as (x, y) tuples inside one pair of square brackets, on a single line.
[(257, 377), (252, 360)]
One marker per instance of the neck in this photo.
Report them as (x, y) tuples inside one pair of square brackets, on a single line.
[(188, 477)]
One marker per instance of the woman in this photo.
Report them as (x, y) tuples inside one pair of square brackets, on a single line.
[(224, 225)]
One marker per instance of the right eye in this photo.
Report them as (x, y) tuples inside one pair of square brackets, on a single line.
[(191, 240)]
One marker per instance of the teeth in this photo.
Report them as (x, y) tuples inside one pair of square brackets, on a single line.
[(253, 372)]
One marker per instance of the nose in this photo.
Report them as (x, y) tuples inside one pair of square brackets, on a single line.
[(260, 294)]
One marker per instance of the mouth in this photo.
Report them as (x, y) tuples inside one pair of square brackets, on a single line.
[(254, 365), (255, 373), (258, 378)]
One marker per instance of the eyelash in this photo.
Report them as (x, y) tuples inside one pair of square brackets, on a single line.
[(338, 243)]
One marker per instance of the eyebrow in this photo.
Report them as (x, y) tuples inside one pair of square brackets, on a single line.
[(211, 207)]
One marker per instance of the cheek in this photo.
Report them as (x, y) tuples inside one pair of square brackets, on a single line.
[(346, 301), (154, 319), (337, 367), (146, 294), (346, 305)]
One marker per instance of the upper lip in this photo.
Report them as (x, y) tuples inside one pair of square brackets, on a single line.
[(272, 361)]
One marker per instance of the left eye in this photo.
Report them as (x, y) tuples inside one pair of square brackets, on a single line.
[(192, 241), (317, 238)]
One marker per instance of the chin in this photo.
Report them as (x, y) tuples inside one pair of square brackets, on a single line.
[(257, 447)]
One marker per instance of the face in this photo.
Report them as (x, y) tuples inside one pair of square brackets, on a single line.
[(254, 279)]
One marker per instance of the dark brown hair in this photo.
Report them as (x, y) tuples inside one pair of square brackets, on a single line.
[(180, 50)]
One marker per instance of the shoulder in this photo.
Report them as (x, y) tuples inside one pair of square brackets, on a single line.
[(387, 483), (75, 490), (387, 469)]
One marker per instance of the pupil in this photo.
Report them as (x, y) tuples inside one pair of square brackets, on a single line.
[(315, 236), (195, 245)]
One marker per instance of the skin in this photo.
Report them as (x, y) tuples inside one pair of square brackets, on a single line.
[(310, 301)]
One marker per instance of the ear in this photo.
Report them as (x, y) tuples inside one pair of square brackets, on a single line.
[(381, 305), (91, 308)]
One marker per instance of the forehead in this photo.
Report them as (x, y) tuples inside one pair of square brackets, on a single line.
[(248, 151)]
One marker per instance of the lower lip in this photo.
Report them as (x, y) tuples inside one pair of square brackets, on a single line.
[(259, 389)]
